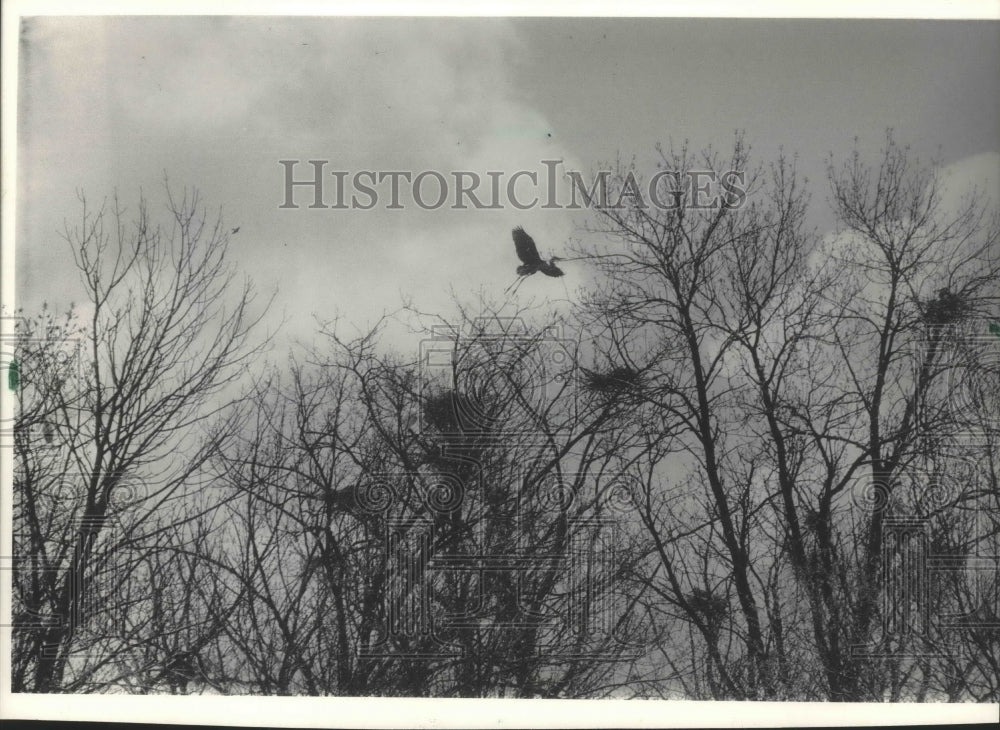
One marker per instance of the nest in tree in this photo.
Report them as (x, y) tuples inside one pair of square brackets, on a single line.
[(945, 308), (439, 412), (451, 412), (713, 608), (617, 380), (811, 521)]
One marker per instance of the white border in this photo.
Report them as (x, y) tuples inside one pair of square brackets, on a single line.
[(320, 712), (941, 9), (393, 713)]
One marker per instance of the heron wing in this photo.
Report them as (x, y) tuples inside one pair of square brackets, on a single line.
[(526, 249)]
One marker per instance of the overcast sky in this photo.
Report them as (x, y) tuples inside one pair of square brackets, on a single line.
[(215, 103)]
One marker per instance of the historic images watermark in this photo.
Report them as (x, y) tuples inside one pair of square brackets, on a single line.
[(84, 584), (934, 587), (537, 548), (39, 370), (311, 184)]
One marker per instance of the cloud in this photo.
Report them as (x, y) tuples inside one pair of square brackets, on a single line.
[(978, 173), (216, 102), (975, 175), (846, 256)]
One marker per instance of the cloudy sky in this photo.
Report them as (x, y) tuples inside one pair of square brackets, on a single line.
[(215, 103)]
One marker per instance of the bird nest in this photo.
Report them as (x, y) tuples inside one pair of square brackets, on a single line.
[(712, 608), (945, 308), (622, 379), (453, 412), (439, 411)]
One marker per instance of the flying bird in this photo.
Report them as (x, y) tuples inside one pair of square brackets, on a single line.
[(531, 262), (236, 230), (528, 253)]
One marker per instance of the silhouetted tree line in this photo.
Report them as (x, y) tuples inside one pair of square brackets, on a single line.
[(719, 479)]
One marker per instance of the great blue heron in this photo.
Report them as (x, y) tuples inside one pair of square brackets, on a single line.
[(530, 260)]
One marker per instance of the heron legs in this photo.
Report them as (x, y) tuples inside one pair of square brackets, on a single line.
[(518, 287), (516, 284)]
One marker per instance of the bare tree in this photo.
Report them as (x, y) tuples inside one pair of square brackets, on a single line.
[(417, 533), (716, 482), (130, 419), (789, 371)]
